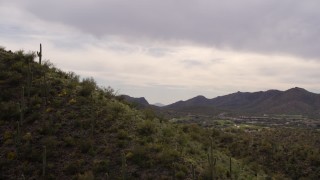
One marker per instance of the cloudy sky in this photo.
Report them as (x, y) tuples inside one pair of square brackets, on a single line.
[(169, 50)]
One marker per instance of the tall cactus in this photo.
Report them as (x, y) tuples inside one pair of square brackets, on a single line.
[(212, 161), (45, 89), (40, 54), (230, 168), (124, 165), (193, 172), (22, 98), (21, 105), (29, 80), (18, 134), (44, 161), (20, 112)]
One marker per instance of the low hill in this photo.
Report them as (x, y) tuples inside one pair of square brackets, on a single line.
[(292, 101), (55, 126)]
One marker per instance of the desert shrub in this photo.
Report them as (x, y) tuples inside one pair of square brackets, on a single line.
[(167, 156), (32, 154), (50, 141), (101, 166), (85, 145), (51, 144), (108, 92), (227, 138), (116, 110), (121, 143), (139, 155), (123, 134), (69, 141), (88, 86), (88, 175), (182, 167), (107, 150), (147, 128), (73, 76), (149, 114), (48, 128), (7, 135), (57, 102), (27, 137), (180, 175), (11, 155), (9, 110), (72, 168)]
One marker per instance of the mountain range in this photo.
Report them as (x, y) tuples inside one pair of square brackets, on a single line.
[(292, 101)]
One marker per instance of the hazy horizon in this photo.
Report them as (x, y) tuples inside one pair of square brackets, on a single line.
[(174, 50)]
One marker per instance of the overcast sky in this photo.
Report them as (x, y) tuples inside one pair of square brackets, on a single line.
[(170, 50)]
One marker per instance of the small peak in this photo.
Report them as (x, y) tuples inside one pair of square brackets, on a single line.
[(297, 89), (199, 97)]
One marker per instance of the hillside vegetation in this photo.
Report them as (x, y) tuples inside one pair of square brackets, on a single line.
[(55, 126)]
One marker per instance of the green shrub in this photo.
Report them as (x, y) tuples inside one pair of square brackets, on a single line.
[(69, 141), (88, 86), (50, 142), (168, 156), (88, 175), (146, 128), (139, 155), (101, 166), (123, 134), (180, 175), (72, 168), (85, 145), (9, 110)]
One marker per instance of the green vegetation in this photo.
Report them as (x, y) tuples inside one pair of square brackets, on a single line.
[(67, 128)]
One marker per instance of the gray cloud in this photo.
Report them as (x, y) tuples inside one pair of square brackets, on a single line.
[(281, 27), (178, 48), (189, 63)]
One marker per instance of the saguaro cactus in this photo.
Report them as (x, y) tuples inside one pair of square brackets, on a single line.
[(22, 98), (212, 161), (44, 161), (124, 165), (21, 106), (193, 172), (29, 81), (40, 54), (45, 89), (230, 168), (18, 134)]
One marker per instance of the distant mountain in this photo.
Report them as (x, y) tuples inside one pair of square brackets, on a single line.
[(139, 102), (158, 104), (292, 101)]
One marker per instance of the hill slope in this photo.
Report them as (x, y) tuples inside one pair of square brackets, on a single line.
[(55, 126)]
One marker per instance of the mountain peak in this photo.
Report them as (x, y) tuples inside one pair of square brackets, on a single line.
[(199, 97), (297, 89), (139, 101)]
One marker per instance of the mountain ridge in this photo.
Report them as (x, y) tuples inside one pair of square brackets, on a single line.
[(292, 101)]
